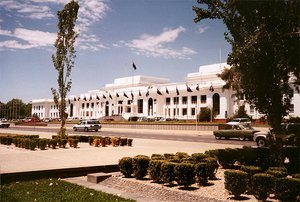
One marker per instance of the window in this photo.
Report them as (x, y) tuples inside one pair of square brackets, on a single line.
[(176, 100), (128, 109), (193, 111), (168, 100), (87, 105), (292, 108), (140, 106), (252, 108), (184, 100), (203, 99), (184, 111), (194, 99), (216, 103), (82, 106), (93, 105), (120, 102)]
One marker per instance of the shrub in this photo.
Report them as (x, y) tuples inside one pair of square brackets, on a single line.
[(212, 165), (198, 157), (202, 173), (287, 189), (181, 155), (64, 142), (212, 153), (204, 115), (114, 141), (293, 154), (53, 143), (262, 185), (123, 142), (75, 143), (184, 174), (168, 172), (235, 181), (169, 156), (157, 157), (250, 170), (108, 140), (103, 142), (43, 143), (125, 165), (227, 157), (140, 166), (277, 172), (90, 140), (32, 144), (129, 142), (155, 170), (296, 175), (96, 142), (248, 156), (263, 157)]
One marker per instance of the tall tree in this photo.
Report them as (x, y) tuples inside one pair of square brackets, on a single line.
[(63, 61), (265, 51)]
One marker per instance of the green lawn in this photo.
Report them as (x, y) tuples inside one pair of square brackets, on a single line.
[(52, 190)]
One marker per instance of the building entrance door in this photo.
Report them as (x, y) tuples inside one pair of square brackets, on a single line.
[(150, 107), (106, 108)]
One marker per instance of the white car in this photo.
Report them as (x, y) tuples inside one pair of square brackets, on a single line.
[(240, 121), (4, 124), (87, 125)]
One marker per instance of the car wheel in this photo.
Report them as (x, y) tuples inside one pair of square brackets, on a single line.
[(261, 142), (86, 129), (75, 129)]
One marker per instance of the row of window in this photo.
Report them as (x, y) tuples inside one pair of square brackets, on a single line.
[(38, 107), (184, 100)]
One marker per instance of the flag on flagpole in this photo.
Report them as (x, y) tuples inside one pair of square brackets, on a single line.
[(84, 98), (104, 97), (78, 98), (69, 101), (117, 94), (140, 94), (132, 96), (75, 99), (197, 88), (177, 91), (211, 88), (110, 96), (91, 98), (97, 97), (125, 95), (158, 92), (147, 94), (188, 89), (133, 65), (167, 91)]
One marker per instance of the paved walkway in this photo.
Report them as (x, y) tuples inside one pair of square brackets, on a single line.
[(13, 159)]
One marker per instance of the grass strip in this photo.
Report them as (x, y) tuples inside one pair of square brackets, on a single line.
[(52, 190)]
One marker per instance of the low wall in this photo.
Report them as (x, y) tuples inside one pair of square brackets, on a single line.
[(199, 127)]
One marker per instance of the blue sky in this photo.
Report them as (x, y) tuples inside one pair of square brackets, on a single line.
[(160, 36)]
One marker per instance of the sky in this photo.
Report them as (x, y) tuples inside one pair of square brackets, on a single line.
[(159, 36)]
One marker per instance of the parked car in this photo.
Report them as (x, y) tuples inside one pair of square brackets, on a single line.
[(291, 135), (243, 121), (239, 131), (87, 125), (4, 124)]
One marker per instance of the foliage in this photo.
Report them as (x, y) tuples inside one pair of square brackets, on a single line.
[(125, 165), (235, 182), (184, 174), (140, 164), (129, 142), (157, 157), (168, 172), (202, 173), (287, 189), (154, 170), (212, 166), (205, 114), (262, 185), (43, 143), (15, 109), (227, 157), (265, 47), (241, 113), (52, 190), (63, 61)]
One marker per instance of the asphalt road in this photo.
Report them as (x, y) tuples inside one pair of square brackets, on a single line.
[(144, 135)]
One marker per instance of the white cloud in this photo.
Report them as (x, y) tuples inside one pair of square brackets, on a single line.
[(202, 29), (155, 46), (29, 38)]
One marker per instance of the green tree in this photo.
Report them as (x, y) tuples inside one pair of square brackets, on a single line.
[(63, 61), (15, 109), (265, 51)]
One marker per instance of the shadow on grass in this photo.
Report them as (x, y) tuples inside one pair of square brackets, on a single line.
[(239, 198)]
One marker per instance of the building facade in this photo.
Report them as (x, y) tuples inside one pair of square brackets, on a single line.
[(145, 96)]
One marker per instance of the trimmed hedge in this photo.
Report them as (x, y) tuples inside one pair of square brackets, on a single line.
[(125, 165), (140, 166), (287, 189), (202, 173), (262, 185), (168, 172), (155, 170), (235, 181), (184, 174)]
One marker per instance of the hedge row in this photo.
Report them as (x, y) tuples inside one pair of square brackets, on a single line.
[(252, 180), (169, 168), (261, 157)]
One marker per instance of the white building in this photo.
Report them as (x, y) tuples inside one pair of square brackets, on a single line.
[(145, 96)]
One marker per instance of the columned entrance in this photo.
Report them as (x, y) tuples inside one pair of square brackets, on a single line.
[(150, 107)]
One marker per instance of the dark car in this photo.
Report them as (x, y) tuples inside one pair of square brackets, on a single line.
[(239, 131)]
